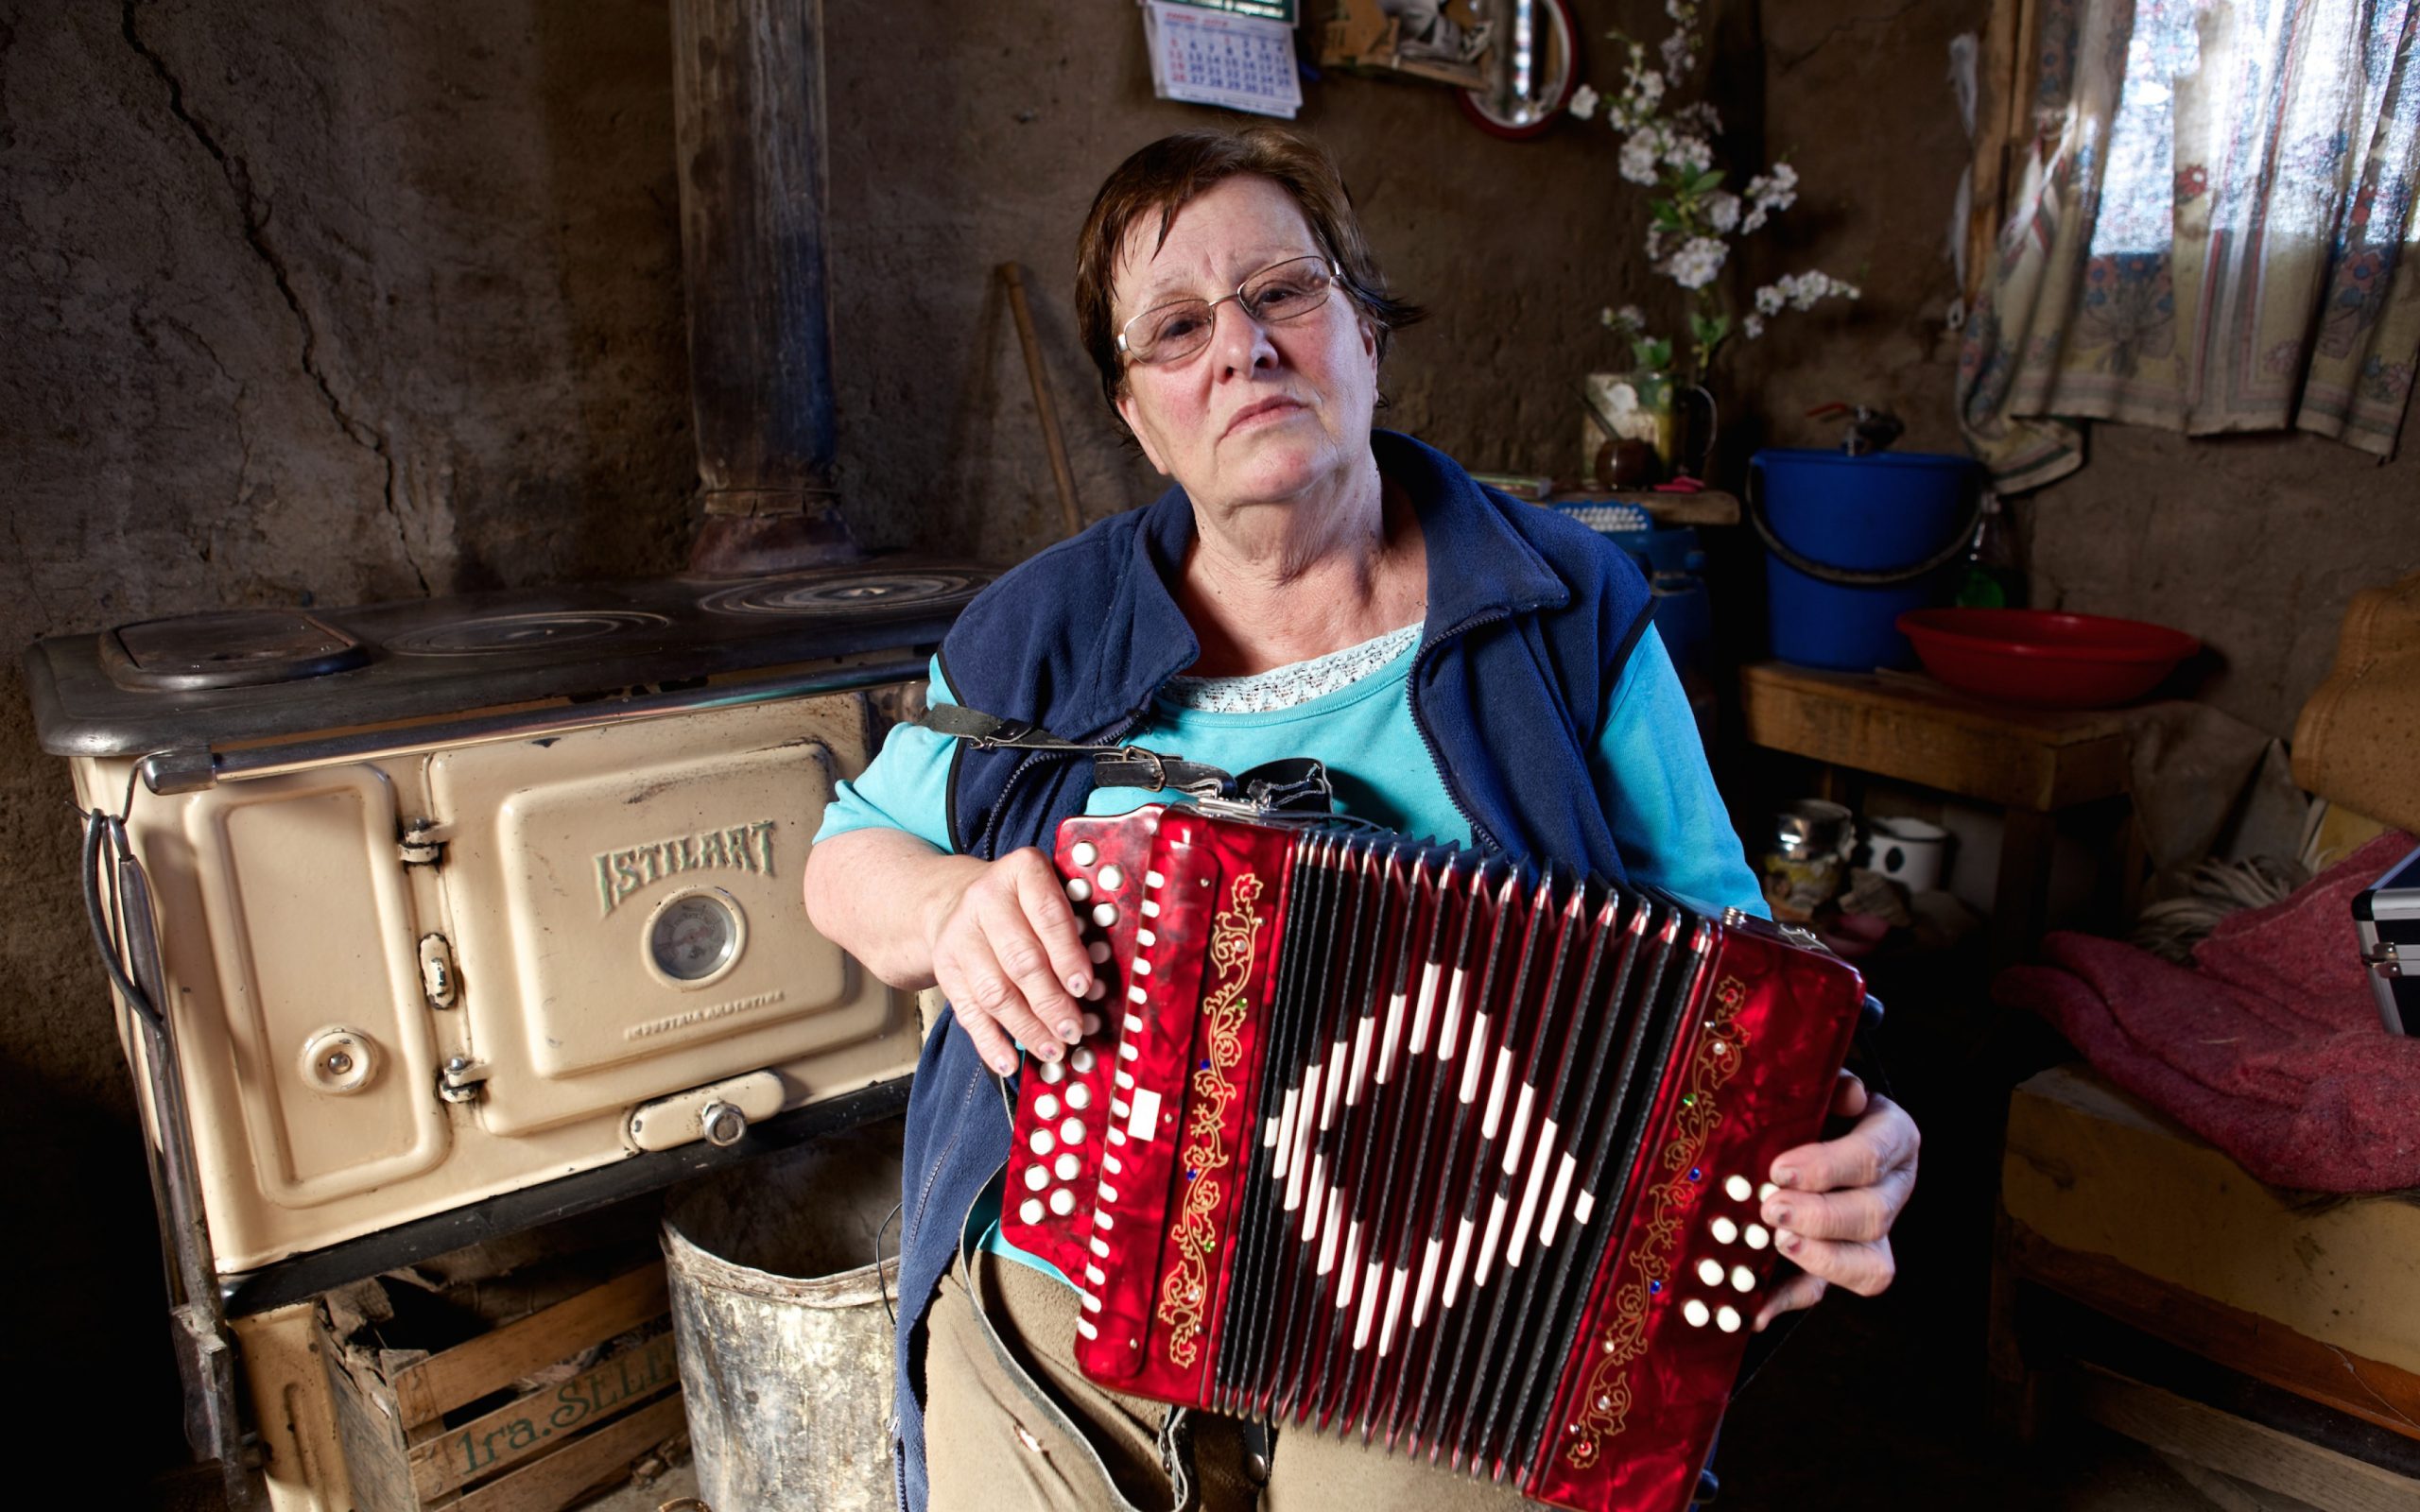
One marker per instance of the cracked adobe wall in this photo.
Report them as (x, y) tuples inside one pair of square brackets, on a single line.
[(303, 300)]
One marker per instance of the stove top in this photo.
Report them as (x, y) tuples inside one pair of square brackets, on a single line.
[(239, 675)]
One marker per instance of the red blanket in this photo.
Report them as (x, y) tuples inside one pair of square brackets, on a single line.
[(2271, 1048)]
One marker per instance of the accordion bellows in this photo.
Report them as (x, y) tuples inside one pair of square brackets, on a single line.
[(1398, 1141)]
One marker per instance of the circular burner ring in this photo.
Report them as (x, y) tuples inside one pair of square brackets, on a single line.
[(829, 594), (539, 629)]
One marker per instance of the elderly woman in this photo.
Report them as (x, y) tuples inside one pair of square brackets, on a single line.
[(1467, 667)]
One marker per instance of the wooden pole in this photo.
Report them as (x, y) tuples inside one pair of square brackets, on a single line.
[(748, 121), (1060, 473)]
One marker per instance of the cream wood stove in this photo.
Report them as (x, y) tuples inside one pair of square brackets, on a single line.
[(458, 898)]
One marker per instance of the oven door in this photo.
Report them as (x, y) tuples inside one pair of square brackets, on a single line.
[(624, 905)]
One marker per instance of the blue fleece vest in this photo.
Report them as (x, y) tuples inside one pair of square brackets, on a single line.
[(1537, 610)]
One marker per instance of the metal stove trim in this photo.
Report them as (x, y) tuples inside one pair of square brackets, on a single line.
[(302, 1276), (185, 770)]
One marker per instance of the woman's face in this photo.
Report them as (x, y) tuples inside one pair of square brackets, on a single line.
[(1263, 413)]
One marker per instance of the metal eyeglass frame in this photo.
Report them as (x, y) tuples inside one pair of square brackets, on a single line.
[(1210, 328)]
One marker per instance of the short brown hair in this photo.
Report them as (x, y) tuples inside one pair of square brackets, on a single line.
[(1176, 170)]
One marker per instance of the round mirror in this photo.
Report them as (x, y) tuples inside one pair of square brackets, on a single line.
[(1532, 68)]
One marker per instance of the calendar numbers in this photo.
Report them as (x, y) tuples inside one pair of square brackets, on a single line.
[(1214, 58)]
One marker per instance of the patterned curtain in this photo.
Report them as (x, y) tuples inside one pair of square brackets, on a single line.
[(2209, 229)]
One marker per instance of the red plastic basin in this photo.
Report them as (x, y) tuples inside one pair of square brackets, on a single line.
[(2032, 655)]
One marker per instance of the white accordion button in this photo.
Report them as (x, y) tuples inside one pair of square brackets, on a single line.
[(1696, 1312), (1736, 1188), (1082, 1060), (1098, 990), (1041, 1143), (1104, 915), (1727, 1319), (1112, 879), (1063, 1202), (1053, 1072), (1742, 1279), (1757, 1238), (1099, 951), (1723, 1230), (1153, 879), (1068, 1166), (1073, 1132), (1090, 1026), (1766, 1190), (1078, 890), (1710, 1272), (1046, 1108), (1080, 1097), (1083, 853), (1036, 1179), (1031, 1210)]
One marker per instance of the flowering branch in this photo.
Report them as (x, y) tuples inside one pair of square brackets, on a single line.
[(1695, 219)]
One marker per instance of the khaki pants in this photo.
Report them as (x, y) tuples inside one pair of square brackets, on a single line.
[(1012, 1425)]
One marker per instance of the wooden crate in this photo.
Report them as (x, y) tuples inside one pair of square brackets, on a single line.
[(408, 1444)]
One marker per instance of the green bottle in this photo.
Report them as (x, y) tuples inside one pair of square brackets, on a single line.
[(1991, 578)]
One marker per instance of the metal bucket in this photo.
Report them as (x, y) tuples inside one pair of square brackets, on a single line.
[(783, 1338)]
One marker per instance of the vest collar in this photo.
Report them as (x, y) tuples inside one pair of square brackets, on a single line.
[(1479, 568)]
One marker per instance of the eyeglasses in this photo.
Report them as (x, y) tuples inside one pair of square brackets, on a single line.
[(1276, 295)]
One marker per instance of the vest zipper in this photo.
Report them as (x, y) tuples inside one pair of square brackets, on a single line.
[(1420, 722)]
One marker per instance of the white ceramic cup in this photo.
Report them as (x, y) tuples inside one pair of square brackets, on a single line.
[(1909, 852)]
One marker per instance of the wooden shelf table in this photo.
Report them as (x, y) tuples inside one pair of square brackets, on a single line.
[(2032, 764)]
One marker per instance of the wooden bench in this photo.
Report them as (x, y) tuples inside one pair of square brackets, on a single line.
[(2108, 1203)]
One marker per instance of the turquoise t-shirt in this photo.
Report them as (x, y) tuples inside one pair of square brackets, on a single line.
[(1668, 822), (1648, 765)]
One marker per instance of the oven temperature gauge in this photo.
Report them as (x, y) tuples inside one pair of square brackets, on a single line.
[(696, 936)]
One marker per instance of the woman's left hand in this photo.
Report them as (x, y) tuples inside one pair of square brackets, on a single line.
[(1837, 1200)]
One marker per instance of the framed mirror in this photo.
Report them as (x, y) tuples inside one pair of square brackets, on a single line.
[(1531, 67)]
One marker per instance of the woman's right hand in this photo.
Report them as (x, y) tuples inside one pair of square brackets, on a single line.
[(1006, 953)]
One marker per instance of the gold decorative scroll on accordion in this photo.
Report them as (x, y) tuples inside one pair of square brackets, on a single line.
[(1382, 1139)]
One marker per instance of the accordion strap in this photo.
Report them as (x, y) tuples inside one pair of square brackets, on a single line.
[(1175, 1434), (1296, 783)]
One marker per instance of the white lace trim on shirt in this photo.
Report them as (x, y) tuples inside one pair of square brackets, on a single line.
[(1295, 683)]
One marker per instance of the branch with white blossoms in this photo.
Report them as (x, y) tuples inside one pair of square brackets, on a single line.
[(1688, 235)]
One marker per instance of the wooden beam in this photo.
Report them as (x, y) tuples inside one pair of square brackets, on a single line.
[(2247, 1450), (749, 131), (2261, 1348)]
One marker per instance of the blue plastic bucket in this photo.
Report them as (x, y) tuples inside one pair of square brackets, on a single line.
[(1852, 542)]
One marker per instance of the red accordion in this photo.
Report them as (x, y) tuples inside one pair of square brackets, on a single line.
[(1376, 1137)]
